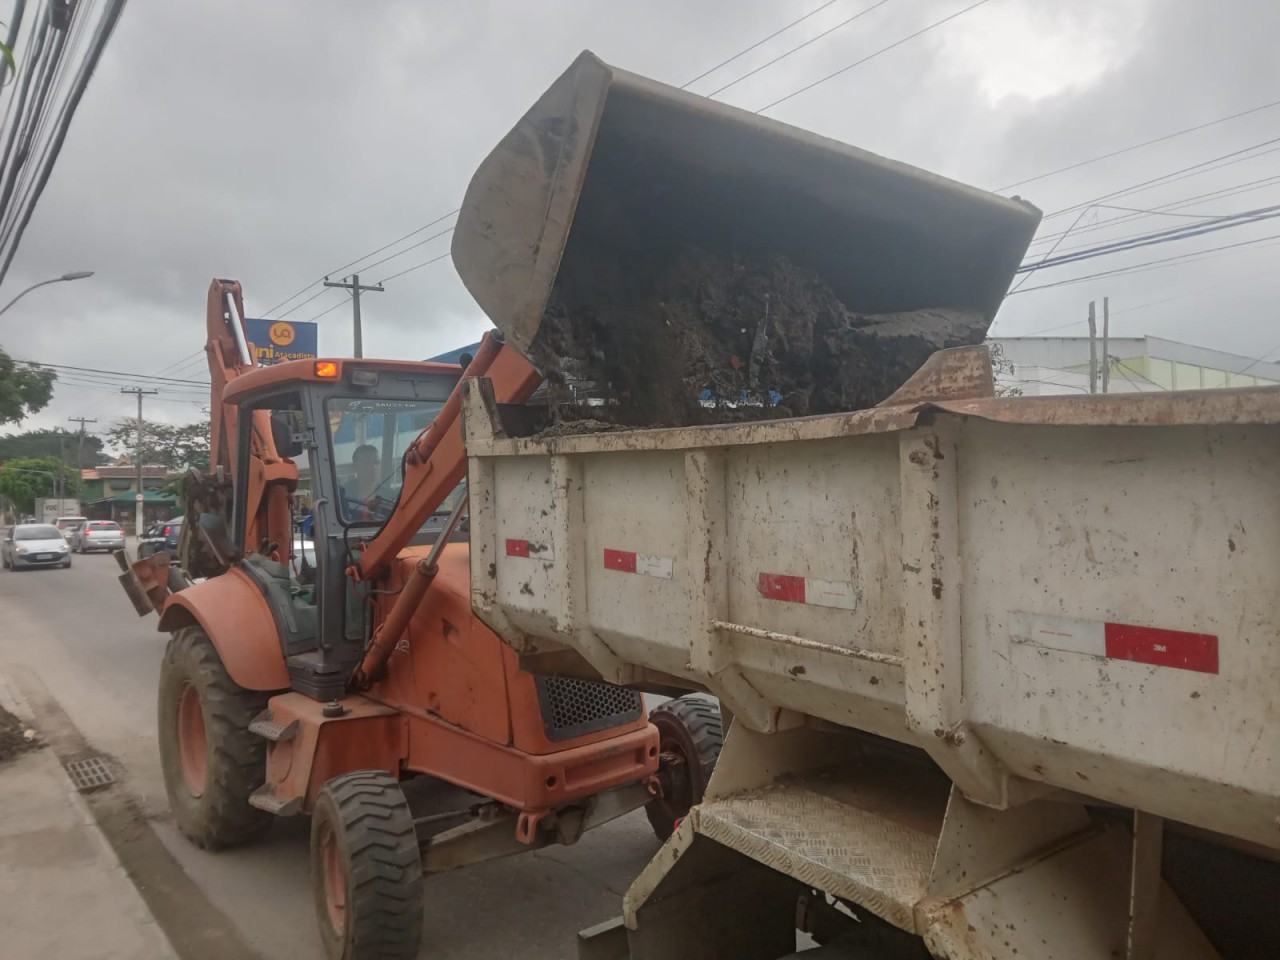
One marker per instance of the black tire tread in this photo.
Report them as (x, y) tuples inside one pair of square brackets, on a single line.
[(384, 865), (704, 723), (223, 816)]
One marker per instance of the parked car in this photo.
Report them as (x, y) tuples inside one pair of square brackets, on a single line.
[(160, 536), (67, 525), (97, 535), (34, 545)]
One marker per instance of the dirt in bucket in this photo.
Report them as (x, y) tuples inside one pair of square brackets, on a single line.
[(703, 338)]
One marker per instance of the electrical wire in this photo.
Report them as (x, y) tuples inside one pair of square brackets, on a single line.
[(1194, 169), (416, 266), (1159, 237), (872, 56), (798, 48), (340, 303), (118, 373), (106, 26), (759, 43), (1138, 146), (1149, 264), (371, 253)]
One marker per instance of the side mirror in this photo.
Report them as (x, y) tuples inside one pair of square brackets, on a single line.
[(282, 433)]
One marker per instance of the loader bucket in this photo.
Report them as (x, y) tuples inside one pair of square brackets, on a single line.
[(609, 171)]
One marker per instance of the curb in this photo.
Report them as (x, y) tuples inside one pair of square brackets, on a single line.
[(138, 911)]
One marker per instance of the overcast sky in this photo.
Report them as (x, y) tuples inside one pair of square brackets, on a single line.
[(272, 142)]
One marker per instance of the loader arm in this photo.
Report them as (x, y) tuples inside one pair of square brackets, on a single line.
[(436, 462), (271, 477)]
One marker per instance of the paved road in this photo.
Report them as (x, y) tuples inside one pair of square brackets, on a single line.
[(75, 632)]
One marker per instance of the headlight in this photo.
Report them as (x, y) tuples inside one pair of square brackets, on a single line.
[(62, 549), (19, 549)]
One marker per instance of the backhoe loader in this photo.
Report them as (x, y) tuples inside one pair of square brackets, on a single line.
[(334, 688)]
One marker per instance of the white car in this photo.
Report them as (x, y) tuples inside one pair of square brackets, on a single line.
[(34, 545), (67, 525), (97, 535)]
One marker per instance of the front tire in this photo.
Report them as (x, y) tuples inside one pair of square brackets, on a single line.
[(211, 762), (690, 735), (366, 869)]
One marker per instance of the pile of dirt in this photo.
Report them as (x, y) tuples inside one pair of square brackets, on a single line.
[(13, 736), (703, 338)]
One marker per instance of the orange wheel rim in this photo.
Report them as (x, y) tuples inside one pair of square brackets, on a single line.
[(335, 880), (191, 740)]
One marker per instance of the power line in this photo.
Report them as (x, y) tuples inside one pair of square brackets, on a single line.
[(1161, 236), (1149, 264), (872, 56), (118, 373), (371, 253), (1162, 209), (106, 26), (1193, 169), (416, 266), (797, 48), (414, 246), (1138, 146), (743, 52)]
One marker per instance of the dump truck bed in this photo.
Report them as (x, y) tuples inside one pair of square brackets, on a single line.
[(1072, 592)]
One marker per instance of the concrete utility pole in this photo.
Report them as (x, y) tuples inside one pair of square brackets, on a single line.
[(1093, 348), (80, 449), (356, 289), (140, 499), (1106, 332)]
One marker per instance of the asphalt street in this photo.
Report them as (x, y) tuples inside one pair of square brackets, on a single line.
[(73, 634)]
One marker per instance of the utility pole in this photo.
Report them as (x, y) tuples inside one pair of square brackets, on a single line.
[(356, 289), (1093, 349), (140, 499), (1106, 332), (80, 448)]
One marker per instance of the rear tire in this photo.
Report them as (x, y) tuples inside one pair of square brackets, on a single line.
[(691, 733), (211, 762), (366, 869)]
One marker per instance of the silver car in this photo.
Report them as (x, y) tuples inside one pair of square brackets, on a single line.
[(97, 535), (34, 545)]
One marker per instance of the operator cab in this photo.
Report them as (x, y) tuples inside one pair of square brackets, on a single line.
[(346, 425)]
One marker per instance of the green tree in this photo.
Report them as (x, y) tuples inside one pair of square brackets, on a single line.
[(57, 442), (175, 446), (24, 479), (24, 389)]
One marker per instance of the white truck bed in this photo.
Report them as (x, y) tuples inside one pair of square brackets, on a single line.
[(1073, 592)]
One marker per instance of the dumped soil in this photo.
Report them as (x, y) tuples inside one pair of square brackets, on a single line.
[(13, 739), (703, 338)]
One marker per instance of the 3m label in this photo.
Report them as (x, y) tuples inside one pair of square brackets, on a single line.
[(1179, 649)]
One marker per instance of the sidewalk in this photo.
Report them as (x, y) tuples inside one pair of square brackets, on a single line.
[(63, 893)]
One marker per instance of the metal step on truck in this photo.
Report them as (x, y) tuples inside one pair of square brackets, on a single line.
[(1000, 674)]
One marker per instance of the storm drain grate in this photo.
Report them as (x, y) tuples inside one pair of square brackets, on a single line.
[(89, 774)]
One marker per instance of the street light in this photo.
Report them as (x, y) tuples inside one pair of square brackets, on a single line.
[(74, 275)]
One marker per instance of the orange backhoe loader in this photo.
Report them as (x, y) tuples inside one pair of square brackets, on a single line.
[(316, 677)]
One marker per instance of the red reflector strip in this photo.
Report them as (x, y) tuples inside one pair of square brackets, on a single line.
[(529, 550), (645, 564), (817, 593), (621, 560), (1120, 641), (1163, 648), (777, 586)]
